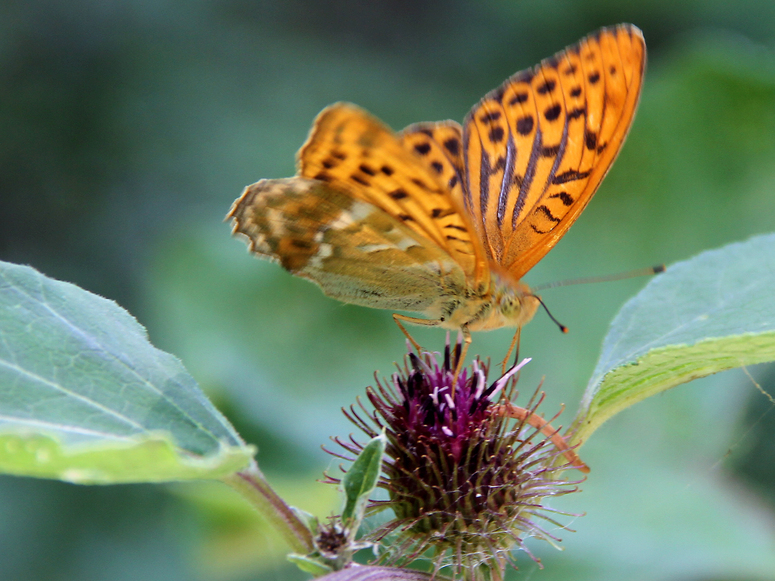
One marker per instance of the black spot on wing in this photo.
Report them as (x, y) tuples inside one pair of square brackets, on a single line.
[(590, 139), (518, 98), (398, 194), (367, 170), (543, 209), (552, 112), (453, 145), (437, 166), (496, 134), (303, 244), (546, 87), (564, 197), (441, 212), (549, 150), (576, 113), (575, 91), (594, 77), (422, 148), (525, 125), (387, 170), (569, 176), (490, 116), (358, 179)]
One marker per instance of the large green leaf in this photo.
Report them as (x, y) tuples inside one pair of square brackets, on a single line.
[(707, 314), (82, 388)]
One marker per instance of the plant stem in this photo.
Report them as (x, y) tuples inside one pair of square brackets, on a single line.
[(252, 485)]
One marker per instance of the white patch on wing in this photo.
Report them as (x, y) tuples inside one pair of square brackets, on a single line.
[(357, 212), (375, 247), (406, 243), (276, 219), (324, 251)]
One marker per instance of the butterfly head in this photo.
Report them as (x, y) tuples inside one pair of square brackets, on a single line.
[(516, 305), (509, 306)]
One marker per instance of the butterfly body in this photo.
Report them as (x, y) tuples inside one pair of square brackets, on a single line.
[(444, 220), (507, 305)]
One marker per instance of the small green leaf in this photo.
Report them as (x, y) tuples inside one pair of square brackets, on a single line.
[(79, 382), (360, 480), (310, 520), (707, 314), (309, 565)]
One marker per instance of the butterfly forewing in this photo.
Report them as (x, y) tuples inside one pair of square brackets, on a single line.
[(355, 153), (537, 147), (440, 145)]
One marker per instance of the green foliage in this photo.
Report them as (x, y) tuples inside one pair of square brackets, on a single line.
[(85, 397), (707, 314), (360, 480), (309, 565), (130, 127)]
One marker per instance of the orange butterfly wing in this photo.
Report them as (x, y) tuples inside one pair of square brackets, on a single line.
[(355, 153), (537, 148), (441, 146)]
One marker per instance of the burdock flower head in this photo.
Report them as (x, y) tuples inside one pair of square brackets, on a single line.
[(467, 483)]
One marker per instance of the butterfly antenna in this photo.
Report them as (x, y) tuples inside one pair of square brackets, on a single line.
[(620, 276), (562, 327)]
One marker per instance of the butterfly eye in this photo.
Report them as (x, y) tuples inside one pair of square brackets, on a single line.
[(510, 306)]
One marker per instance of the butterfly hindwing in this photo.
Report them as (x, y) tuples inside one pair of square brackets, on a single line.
[(537, 148), (356, 252), (355, 153)]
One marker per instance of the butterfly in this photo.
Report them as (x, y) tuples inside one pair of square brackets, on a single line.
[(443, 220)]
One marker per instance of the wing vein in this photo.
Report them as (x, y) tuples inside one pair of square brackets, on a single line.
[(508, 178), (530, 171)]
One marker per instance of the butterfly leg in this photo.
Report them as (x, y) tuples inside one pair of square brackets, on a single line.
[(415, 321), (514, 343), (461, 360), (510, 410)]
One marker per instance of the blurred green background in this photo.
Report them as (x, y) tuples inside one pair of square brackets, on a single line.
[(128, 127)]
